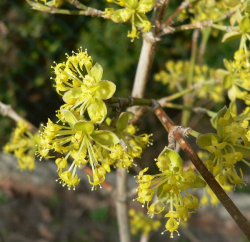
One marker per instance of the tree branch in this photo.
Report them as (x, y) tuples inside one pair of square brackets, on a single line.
[(197, 25), (205, 36), (147, 55), (122, 205), (7, 110), (77, 4), (144, 65), (88, 11), (183, 5)]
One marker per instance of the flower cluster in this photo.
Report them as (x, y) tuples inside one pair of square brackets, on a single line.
[(84, 143), (135, 12), (80, 140), (170, 187), (229, 146), (203, 10), (208, 196), (24, 146), (131, 145), (177, 74), (141, 223), (236, 76), (87, 135), (82, 86)]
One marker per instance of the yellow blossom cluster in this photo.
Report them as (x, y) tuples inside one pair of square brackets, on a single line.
[(208, 196), (236, 76), (134, 11), (203, 10), (170, 188), (177, 73), (141, 223), (229, 146), (87, 135), (24, 145)]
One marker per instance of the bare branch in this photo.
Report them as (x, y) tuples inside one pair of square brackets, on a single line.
[(122, 205), (203, 44), (77, 4), (197, 25), (88, 11), (183, 5), (144, 238), (7, 110), (147, 55)]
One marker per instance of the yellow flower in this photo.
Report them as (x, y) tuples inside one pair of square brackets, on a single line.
[(24, 146), (66, 178), (141, 223), (171, 226), (83, 92), (133, 34), (80, 140), (134, 11)]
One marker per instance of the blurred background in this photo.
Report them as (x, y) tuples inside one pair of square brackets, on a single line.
[(29, 43)]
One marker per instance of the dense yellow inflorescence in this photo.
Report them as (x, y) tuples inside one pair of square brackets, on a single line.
[(23, 145), (170, 188), (141, 223), (87, 135), (177, 73), (133, 11), (228, 147)]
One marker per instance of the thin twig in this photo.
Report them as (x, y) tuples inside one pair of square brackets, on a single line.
[(205, 36), (7, 110), (176, 95), (208, 177), (158, 15), (88, 11), (197, 25), (226, 28), (126, 101), (229, 13), (140, 112), (189, 98), (183, 5), (77, 4)]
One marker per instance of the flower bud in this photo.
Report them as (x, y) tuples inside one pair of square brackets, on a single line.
[(216, 170)]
